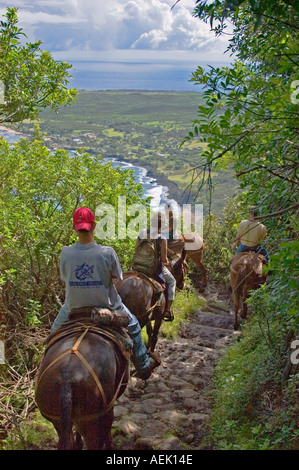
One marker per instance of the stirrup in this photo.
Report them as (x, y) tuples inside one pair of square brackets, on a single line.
[(155, 362), (169, 316)]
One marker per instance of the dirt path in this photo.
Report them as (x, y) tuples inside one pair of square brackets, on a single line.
[(171, 411)]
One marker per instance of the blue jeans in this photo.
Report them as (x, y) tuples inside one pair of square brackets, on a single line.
[(260, 249), (140, 357)]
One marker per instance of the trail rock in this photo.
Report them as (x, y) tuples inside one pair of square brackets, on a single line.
[(171, 410)]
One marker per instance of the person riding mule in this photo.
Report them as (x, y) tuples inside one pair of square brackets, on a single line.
[(250, 235), (88, 270), (191, 242), (146, 298), (246, 274), (150, 258)]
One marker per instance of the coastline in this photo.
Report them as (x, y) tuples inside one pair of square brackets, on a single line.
[(173, 192), (11, 131)]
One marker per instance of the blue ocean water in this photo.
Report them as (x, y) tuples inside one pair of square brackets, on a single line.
[(132, 76)]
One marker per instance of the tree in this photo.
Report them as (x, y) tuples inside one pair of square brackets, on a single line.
[(250, 119), (30, 78), (250, 123)]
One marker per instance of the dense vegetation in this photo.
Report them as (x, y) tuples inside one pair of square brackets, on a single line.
[(246, 127), (40, 188), (250, 123)]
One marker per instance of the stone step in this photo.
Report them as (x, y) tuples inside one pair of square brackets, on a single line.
[(214, 320)]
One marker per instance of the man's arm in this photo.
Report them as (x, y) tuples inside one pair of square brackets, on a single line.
[(263, 232)]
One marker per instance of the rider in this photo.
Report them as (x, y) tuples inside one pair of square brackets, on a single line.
[(163, 265), (250, 235), (88, 270)]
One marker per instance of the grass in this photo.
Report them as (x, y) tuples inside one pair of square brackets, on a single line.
[(185, 303), (34, 434), (251, 410)]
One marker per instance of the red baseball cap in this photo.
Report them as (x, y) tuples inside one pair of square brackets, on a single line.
[(83, 218)]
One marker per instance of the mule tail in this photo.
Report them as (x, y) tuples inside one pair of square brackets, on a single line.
[(66, 441)]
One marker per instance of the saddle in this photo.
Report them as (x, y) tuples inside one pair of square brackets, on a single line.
[(101, 321), (251, 252), (101, 316), (175, 246)]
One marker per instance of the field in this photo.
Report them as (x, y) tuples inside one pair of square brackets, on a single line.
[(145, 128)]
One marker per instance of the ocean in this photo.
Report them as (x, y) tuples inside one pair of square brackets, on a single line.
[(100, 75)]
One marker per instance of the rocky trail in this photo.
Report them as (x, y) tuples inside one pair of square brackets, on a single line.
[(171, 410)]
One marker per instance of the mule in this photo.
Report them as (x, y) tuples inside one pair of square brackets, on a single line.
[(80, 377), (246, 274), (146, 300), (194, 246)]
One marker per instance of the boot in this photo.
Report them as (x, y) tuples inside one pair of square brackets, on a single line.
[(154, 361), (168, 315)]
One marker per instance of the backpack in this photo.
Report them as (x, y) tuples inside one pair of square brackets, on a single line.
[(146, 257)]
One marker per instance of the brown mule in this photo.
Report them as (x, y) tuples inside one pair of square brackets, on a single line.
[(194, 246), (246, 274), (145, 298), (84, 370)]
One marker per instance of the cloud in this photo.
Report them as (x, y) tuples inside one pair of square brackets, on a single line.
[(88, 25)]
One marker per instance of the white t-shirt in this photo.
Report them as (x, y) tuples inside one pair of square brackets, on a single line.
[(86, 270)]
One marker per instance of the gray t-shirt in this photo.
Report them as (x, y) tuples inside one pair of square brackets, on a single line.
[(86, 270)]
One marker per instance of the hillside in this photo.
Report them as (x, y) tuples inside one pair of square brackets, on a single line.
[(145, 128)]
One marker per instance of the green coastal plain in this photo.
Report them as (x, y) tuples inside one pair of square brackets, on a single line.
[(145, 128)]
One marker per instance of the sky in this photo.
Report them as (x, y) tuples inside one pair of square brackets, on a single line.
[(120, 30)]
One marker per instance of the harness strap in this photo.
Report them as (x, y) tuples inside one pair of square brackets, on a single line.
[(93, 374), (74, 350), (94, 415)]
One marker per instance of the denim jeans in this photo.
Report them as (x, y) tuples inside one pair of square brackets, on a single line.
[(170, 281), (140, 357), (260, 249)]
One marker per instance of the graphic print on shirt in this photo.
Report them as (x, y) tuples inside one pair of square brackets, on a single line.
[(84, 274)]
